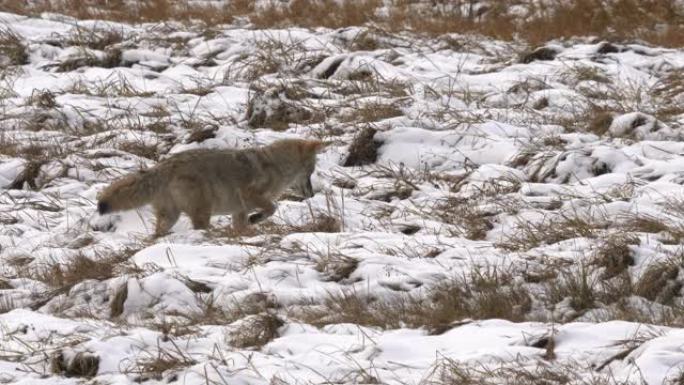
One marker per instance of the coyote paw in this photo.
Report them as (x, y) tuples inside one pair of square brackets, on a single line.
[(256, 218)]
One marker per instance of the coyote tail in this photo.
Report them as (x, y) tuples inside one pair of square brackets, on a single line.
[(129, 192)]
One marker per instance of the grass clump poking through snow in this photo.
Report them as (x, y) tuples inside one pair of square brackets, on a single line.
[(660, 281), (78, 365), (256, 331), (363, 149), (12, 49), (530, 234), (154, 362), (482, 293)]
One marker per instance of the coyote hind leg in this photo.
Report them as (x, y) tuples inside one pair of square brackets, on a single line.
[(240, 221)]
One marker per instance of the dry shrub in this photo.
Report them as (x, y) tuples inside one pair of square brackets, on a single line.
[(363, 149)]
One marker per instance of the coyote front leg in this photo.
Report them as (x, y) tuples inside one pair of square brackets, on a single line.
[(267, 207)]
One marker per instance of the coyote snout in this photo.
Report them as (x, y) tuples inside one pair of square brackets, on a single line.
[(103, 208), (205, 182)]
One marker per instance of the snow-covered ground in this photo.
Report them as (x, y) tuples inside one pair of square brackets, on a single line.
[(520, 223)]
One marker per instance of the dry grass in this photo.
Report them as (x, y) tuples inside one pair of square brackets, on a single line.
[(550, 230), (98, 39), (656, 21), (80, 365), (312, 13), (28, 176), (372, 112), (256, 331), (472, 223), (659, 281), (363, 149), (335, 266), (154, 363), (62, 276), (316, 223), (519, 372), (121, 10), (142, 149), (615, 255), (482, 293), (12, 49), (273, 109)]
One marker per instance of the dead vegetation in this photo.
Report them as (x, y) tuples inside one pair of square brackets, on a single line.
[(154, 363), (363, 149), (471, 221), (481, 293), (60, 277), (12, 49), (256, 331), (78, 365), (657, 22), (518, 372), (550, 230), (372, 112), (336, 267)]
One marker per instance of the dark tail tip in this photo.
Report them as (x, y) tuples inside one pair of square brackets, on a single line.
[(103, 207)]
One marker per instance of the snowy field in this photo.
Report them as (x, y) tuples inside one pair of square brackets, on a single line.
[(485, 213)]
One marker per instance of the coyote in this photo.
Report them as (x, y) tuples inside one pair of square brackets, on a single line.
[(205, 182)]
